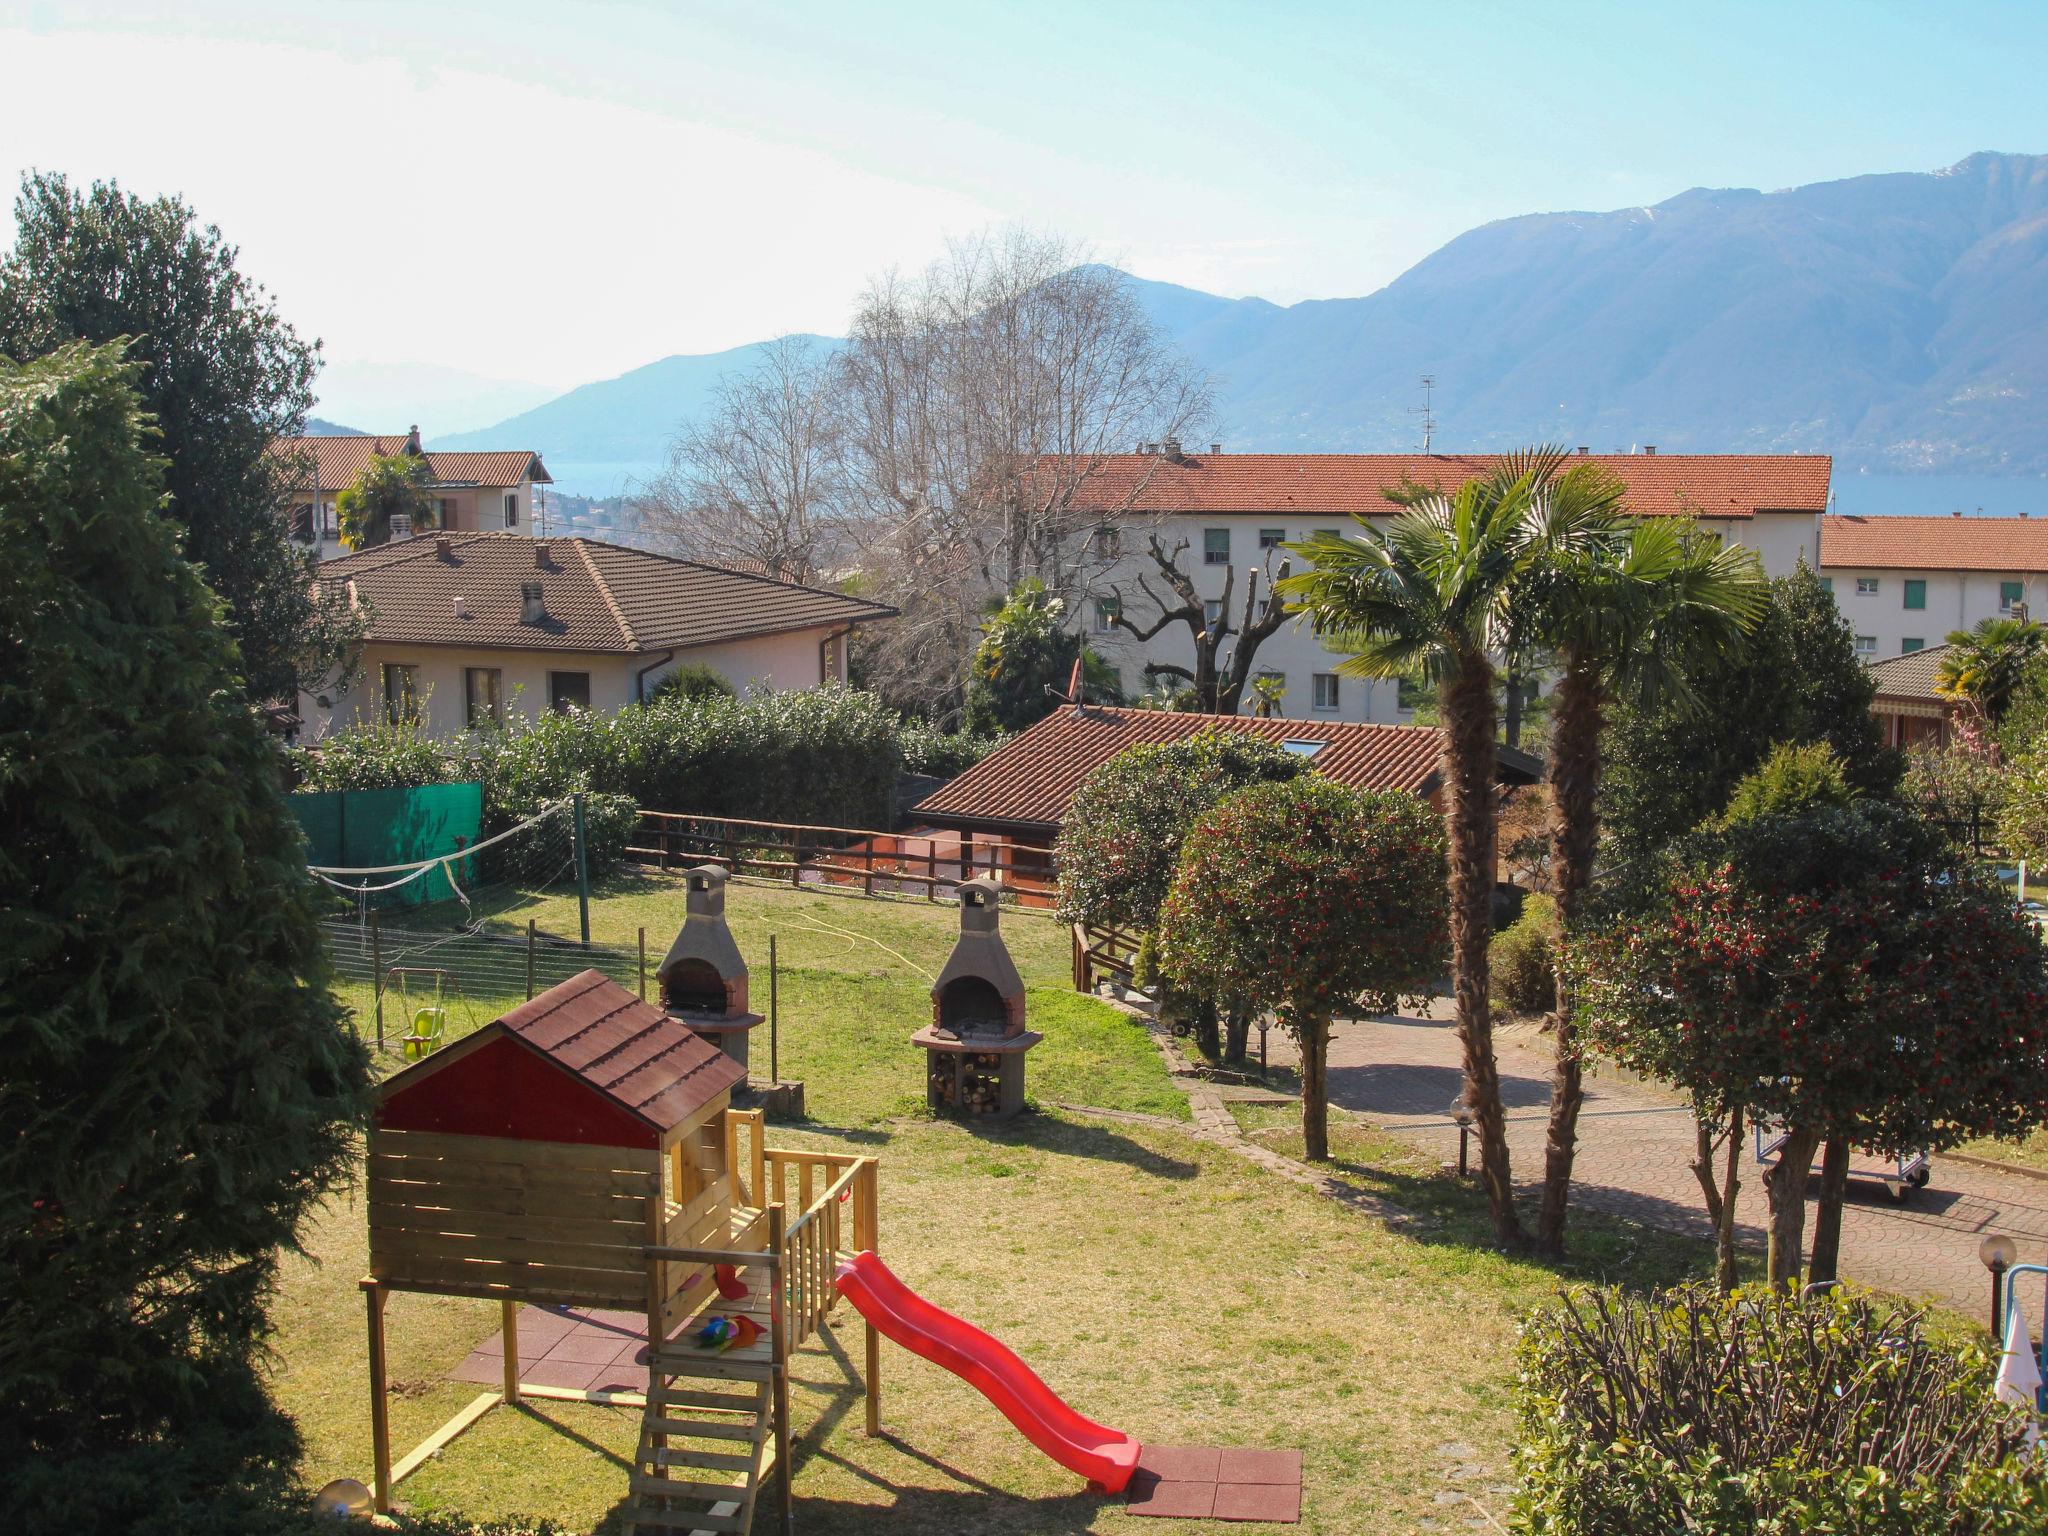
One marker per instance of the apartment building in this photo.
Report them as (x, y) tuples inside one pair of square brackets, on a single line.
[(1230, 515), (1904, 583), (491, 492)]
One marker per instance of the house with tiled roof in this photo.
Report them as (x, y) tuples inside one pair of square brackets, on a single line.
[(1023, 789), (1911, 709), (476, 492), (1904, 583), (1231, 512), (462, 628)]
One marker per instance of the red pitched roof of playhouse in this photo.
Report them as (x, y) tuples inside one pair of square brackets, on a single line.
[(1714, 485), (1031, 779), (1935, 543), (646, 1063)]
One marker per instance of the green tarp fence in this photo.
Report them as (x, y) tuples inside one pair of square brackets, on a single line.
[(364, 828)]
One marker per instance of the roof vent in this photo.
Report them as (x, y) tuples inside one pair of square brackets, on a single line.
[(1649, 450), (540, 554), (1215, 450), (533, 607), (1171, 448), (1584, 450), (401, 526), (1957, 513), (461, 607), (443, 549)]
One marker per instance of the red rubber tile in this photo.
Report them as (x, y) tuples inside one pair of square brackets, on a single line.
[(1151, 1495), (587, 1346), (1276, 1502), (571, 1375), (486, 1370), (1180, 1463), (1239, 1465)]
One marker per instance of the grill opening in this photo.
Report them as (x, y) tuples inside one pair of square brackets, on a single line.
[(971, 1005), (694, 986)]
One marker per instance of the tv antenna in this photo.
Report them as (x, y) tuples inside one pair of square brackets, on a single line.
[(1424, 410)]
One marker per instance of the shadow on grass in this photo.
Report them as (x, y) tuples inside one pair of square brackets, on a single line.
[(1090, 1139)]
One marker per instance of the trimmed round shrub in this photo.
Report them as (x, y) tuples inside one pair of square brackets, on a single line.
[(1521, 958), (693, 680), (1762, 1414)]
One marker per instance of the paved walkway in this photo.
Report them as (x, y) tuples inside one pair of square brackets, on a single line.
[(1636, 1145)]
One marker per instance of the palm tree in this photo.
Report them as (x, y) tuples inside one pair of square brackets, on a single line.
[(390, 485), (1430, 595), (1984, 665), (1628, 607)]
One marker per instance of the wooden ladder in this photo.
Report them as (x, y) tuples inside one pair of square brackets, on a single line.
[(705, 1447)]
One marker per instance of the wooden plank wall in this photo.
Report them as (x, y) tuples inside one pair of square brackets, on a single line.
[(519, 1220)]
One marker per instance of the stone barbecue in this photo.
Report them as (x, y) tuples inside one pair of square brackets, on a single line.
[(703, 977), (975, 1044)]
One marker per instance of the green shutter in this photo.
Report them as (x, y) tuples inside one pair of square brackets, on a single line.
[(1916, 594)]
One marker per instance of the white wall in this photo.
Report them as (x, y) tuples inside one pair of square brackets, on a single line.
[(776, 662), (477, 510), (1955, 600)]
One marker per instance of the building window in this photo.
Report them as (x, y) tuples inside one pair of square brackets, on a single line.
[(401, 693), (1107, 610), (1272, 538), (512, 509), (1215, 546), (1911, 644), (483, 693), (828, 661), (567, 691), (1109, 542), (1326, 694), (1916, 594), (1212, 613), (2009, 593), (1408, 694), (1866, 586), (1827, 585), (1866, 645)]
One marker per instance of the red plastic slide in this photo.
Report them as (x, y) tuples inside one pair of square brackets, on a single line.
[(1105, 1457)]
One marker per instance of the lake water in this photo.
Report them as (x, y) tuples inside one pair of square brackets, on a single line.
[(1862, 495)]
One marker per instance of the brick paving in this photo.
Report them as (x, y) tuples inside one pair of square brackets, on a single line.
[(1636, 1144)]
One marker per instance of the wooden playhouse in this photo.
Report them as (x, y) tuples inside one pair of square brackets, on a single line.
[(582, 1151)]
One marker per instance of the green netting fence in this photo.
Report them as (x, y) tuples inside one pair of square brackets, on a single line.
[(377, 829)]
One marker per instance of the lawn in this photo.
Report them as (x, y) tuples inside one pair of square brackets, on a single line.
[(1160, 1283)]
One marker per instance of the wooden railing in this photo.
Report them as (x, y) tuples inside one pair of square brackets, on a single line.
[(928, 863), (1103, 951)]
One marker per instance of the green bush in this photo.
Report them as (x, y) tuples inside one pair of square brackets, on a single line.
[(692, 681), (1792, 781), (1521, 958), (379, 756), (1762, 1414), (941, 754)]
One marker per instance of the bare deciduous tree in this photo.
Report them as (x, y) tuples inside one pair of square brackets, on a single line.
[(983, 400), (1216, 680), (761, 479)]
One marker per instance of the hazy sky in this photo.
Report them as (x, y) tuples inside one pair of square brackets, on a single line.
[(552, 193)]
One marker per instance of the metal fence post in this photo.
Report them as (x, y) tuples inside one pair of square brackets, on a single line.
[(582, 872), (529, 958), (377, 973)]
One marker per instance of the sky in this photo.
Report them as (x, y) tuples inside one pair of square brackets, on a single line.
[(476, 206)]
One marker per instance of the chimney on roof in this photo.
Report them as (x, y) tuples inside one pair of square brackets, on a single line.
[(1584, 450), (443, 550), (401, 526), (412, 440), (533, 608), (1957, 513), (540, 554), (1171, 448), (1649, 450), (461, 607), (1215, 450)]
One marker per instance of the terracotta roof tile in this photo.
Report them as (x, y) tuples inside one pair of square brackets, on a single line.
[(1935, 543), (339, 460), (1031, 779), (1337, 484), (599, 597), (640, 1058)]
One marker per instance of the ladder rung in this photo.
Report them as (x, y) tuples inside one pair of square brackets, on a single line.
[(729, 1402), (712, 1461), (683, 1520), (683, 1427)]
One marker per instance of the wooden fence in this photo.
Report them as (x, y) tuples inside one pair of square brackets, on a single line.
[(927, 864), (1103, 952)]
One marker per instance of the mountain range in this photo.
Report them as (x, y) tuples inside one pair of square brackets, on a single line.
[(1898, 321)]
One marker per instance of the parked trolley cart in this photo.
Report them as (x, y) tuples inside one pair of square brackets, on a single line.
[(1900, 1176)]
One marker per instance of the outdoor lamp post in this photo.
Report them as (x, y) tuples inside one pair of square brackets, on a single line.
[(1998, 1253), (1462, 1113)]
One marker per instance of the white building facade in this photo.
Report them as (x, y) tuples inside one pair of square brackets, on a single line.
[(491, 492), (1904, 583)]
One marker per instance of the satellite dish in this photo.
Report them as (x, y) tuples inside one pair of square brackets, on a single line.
[(341, 1498)]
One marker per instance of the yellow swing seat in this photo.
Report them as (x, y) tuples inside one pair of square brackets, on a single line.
[(427, 1026)]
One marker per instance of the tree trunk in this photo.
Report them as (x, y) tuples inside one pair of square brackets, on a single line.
[(1827, 1213), (1207, 1040), (1467, 705), (1315, 1095), (1720, 1197), (1236, 1033), (1511, 727), (1785, 1185), (1574, 773)]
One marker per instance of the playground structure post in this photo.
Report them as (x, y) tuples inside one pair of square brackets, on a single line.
[(377, 973), (582, 872), (380, 1420), (643, 962), (774, 1018)]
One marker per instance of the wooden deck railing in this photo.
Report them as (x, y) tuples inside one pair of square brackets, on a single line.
[(927, 864), (1103, 951)]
